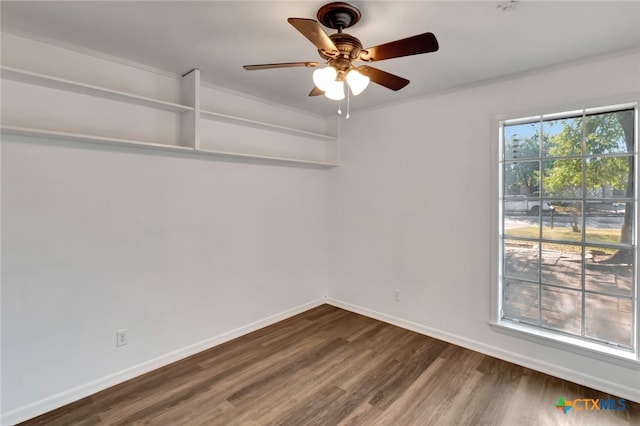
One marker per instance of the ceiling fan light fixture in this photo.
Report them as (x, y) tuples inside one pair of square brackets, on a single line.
[(357, 82), (323, 78), (339, 76), (335, 91)]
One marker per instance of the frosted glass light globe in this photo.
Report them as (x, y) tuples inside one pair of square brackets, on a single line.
[(335, 91), (323, 77), (357, 82)]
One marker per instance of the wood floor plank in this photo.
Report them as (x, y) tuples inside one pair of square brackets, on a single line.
[(342, 408), (267, 402), (412, 369), (305, 394), (409, 407), (328, 366), (81, 413), (314, 411), (449, 392), (279, 377), (363, 415)]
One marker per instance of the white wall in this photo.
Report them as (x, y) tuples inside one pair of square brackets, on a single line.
[(178, 249), (411, 209), (184, 251)]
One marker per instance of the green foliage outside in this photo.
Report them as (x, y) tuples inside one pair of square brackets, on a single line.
[(566, 173), (603, 134)]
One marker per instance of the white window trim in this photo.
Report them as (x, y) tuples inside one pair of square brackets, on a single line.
[(610, 354)]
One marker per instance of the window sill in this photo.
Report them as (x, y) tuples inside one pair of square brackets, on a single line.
[(622, 357)]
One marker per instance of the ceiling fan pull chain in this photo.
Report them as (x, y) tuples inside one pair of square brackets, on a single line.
[(348, 102)]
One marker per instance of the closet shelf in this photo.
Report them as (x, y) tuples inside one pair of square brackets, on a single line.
[(78, 137), (227, 154), (29, 77), (216, 116), (189, 129)]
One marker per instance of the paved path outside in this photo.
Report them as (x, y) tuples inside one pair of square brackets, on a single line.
[(606, 316)]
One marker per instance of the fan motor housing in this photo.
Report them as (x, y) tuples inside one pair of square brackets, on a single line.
[(348, 46), (342, 66)]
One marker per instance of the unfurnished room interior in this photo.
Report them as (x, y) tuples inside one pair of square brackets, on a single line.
[(320, 213)]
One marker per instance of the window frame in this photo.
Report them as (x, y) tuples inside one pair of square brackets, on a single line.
[(559, 340)]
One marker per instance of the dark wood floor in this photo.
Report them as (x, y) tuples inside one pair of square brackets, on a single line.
[(328, 366)]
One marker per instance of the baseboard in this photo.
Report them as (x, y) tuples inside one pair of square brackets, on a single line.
[(56, 401), (578, 377)]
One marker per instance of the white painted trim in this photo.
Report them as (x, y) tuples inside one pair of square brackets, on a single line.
[(613, 355), (56, 401), (632, 394), (495, 225), (623, 100), (538, 335)]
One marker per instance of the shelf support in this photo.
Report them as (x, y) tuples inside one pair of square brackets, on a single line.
[(190, 120)]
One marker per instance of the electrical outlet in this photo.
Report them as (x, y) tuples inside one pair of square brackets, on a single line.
[(396, 294), (122, 337)]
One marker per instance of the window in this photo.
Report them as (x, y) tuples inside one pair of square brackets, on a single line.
[(568, 234)]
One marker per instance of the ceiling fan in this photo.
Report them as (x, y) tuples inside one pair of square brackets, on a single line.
[(340, 50)]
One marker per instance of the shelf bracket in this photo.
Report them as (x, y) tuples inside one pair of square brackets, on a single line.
[(190, 120)]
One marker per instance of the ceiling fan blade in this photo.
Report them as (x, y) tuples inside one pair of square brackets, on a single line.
[(383, 78), (421, 43), (315, 34), (281, 65), (316, 92)]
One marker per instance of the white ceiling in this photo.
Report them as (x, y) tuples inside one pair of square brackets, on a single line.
[(478, 40)]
